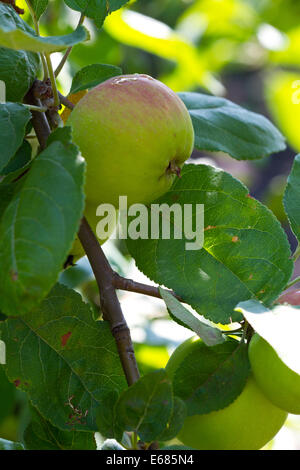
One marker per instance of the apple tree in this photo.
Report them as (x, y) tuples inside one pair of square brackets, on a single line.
[(113, 135)]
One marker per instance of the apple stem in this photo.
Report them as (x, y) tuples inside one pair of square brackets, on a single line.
[(174, 168)]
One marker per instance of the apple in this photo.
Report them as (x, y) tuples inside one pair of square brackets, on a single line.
[(279, 383), (77, 250), (248, 423), (291, 297), (135, 134)]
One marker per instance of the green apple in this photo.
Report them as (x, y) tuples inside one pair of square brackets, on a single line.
[(108, 222), (248, 423), (280, 384), (135, 134)]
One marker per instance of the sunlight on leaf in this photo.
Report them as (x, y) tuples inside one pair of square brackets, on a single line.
[(137, 30)]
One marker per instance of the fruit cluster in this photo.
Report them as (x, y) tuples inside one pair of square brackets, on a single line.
[(256, 415), (135, 134)]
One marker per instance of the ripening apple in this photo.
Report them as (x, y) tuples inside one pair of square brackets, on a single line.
[(135, 134), (280, 384), (248, 423)]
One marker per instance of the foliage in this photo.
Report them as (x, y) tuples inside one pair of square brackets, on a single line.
[(70, 366)]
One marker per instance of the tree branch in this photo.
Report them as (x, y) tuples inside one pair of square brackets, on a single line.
[(64, 100), (39, 120), (104, 274), (128, 284), (109, 301)]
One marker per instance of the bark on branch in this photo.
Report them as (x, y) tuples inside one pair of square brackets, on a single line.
[(39, 120), (123, 283), (109, 301)]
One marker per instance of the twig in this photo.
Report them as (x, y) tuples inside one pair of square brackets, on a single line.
[(53, 81), (294, 281), (128, 284), (68, 51), (39, 120), (63, 61), (103, 272), (65, 101), (40, 109), (110, 305)]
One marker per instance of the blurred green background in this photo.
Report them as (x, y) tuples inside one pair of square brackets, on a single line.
[(244, 50)]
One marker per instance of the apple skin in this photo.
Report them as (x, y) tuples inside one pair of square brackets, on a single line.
[(248, 423), (135, 134), (77, 250), (279, 383)]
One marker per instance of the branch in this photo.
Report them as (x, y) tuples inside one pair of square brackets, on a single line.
[(110, 305), (39, 120), (53, 81), (103, 272), (31, 107), (128, 284), (65, 101)]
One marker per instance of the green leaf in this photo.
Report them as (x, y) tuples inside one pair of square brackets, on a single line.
[(279, 327), (92, 75), (96, 9), (7, 394), (39, 226), (209, 379), (107, 419), (175, 422), (291, 198), (6, 194), (221, 125), (17, 175), (39, 6), (17, 39), (245, 252), (155, 37), (41, 435), (281, 92), (183, 316), (18, 69), (146, 406), (19, 160), (13, 120), (16, 34), (9, 445), (58, 351)]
